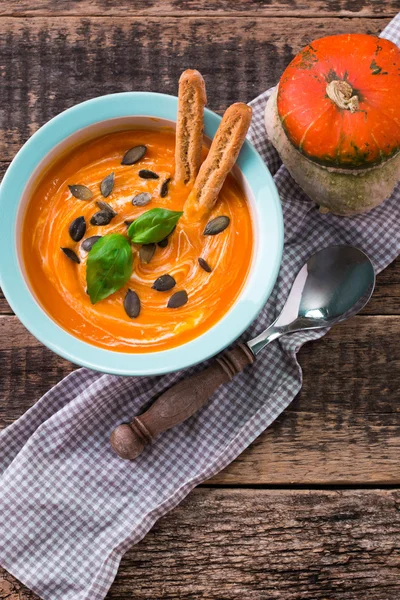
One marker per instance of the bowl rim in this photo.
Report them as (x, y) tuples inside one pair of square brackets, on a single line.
[(246, 308)]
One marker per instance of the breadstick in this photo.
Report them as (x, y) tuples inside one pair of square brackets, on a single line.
[(222, 156), (189, 128)]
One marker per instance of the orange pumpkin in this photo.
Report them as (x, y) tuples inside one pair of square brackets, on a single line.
[(339, 101)]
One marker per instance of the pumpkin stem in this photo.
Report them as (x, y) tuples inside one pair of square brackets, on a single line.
[(340, 92)]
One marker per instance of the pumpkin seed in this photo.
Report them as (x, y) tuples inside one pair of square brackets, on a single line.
[(141, 199), (164, 188), (216, 225), (147, 174), (164, 243), (204, 265), (77, 229), (71, 255), (107, 185), (164, 283), (132, 304), (88, 244), (106, 207), (133, 155), (146, 253), (178, 299), (104, 217), (81, 192)]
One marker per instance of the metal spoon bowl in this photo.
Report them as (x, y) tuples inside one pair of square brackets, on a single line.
[(333, 285)]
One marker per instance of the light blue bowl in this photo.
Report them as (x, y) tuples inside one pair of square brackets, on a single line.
[(95, 117)]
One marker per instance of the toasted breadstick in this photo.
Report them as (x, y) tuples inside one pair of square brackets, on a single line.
[(222, 156), (189, 129)]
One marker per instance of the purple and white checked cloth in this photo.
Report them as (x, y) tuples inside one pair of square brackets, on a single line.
[(70, 508)]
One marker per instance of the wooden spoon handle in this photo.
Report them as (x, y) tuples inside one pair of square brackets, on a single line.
[(179, 402)]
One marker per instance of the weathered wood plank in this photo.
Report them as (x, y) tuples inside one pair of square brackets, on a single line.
[(49, 64), (343, 428), (386, 297), (4, 306), (256, 544), (336, 447), (259, 8)]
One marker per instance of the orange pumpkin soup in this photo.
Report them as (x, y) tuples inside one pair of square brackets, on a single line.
[(60, 284)]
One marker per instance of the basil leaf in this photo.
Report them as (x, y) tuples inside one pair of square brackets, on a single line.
[(153, 225), (109, 266)]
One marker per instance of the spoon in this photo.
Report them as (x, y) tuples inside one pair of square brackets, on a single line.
[(333, 285)]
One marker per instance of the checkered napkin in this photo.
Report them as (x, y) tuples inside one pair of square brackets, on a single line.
[(70, 508)]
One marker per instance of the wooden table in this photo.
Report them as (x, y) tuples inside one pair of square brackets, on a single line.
[(311, 510)]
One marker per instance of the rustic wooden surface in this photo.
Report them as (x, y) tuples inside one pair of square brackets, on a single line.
[(265, 544), (213, 8), (333, 532)]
